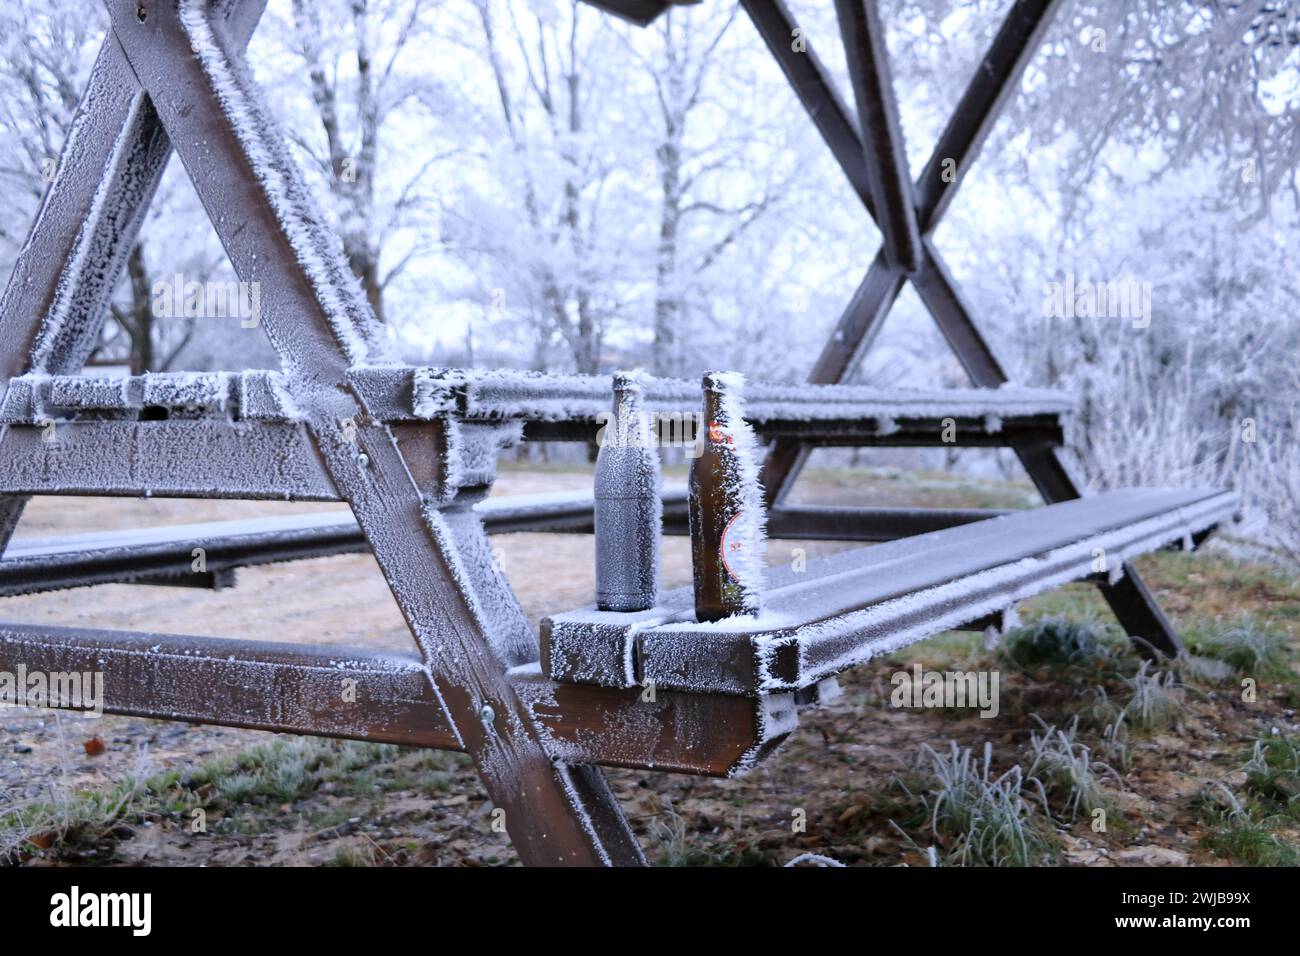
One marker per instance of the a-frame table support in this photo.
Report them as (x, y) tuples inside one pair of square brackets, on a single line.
[(172, 75)]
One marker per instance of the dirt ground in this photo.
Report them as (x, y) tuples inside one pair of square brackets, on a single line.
[(831, 789)]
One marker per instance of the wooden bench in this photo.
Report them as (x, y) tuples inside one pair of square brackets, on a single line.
[(840, 611)]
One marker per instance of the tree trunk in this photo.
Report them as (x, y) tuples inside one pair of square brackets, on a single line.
[(667, 306)]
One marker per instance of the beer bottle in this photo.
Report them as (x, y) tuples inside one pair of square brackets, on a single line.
[(726, 506), (628, 504)]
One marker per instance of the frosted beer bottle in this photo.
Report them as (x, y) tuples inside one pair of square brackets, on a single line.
[(628, 506), (726, 508)]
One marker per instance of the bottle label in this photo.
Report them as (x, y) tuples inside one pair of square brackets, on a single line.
[(734, 545)]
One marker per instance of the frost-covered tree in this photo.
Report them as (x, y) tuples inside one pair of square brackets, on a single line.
[(538, 217), (357, 97), (48, 50)]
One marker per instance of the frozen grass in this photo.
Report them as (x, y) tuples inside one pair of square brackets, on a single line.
[(1067, 770), (365, 854), (1273, 775), (65, 816), (1064, 650), (358, 856), (668, 831), (1258, 828), (981, 820), (1201, 591), (62, 818), (290, 768), (1248, 648), (286, 770), (815, 860), (1242, 840), (1155, 699), (1147, 701), (280, 772)]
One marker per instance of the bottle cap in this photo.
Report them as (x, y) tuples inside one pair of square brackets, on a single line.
[(629, 381)]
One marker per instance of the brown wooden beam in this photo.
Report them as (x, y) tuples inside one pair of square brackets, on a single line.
[(839, 610), (384, 697), (881, 131), (853, 334), (865, 314), (261, 685), (825, 523), (210, 458), (811, 82), (993, 83), (1141, 615), (943, 298), (713, 735)]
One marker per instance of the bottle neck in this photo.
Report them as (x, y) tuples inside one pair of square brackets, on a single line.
[(717, 420), (630, 424)]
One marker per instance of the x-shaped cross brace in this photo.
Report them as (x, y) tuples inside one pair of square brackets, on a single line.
[(873, 159)]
